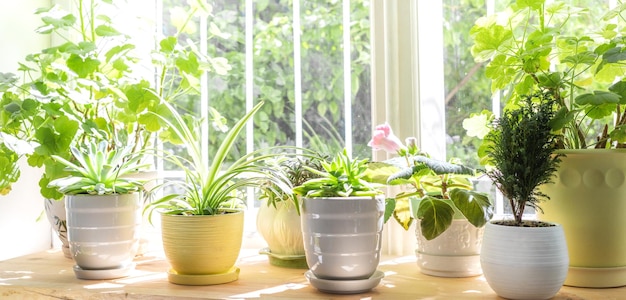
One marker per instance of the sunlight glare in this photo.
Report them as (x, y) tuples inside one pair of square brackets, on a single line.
[(103, 285), (272, 290), (398, 260), (147, 276)]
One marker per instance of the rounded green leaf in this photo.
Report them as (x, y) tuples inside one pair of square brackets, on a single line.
[(435, 216)]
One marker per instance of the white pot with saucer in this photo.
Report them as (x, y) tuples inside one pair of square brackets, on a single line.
[(342, 242)]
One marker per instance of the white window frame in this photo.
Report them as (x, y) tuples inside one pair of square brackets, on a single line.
[(407, 85)]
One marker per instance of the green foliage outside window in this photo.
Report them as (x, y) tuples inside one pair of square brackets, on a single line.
[(273, 60)]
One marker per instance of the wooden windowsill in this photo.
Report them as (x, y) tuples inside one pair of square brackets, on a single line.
[(48, 274)]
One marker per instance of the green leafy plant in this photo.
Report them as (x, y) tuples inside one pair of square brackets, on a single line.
[(91, 85), (211, 187), (342, 177), (533, 46), (443, 188), (99, 170), (522, 147), (322, 84), (296, 170)]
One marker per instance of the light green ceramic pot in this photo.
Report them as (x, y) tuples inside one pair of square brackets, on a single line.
[(588, 197)]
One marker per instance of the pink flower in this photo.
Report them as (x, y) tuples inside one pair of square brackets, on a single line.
[(384, 139)]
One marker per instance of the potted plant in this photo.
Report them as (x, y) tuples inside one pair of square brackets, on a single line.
[(202, 219), (278, 218), (93, 83), (100, 199), (440, 196), (524, 259), (342, 223), (538, 47)]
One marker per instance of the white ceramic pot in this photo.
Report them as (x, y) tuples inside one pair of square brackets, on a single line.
[(524, 262), (103, 230), (342, 236), (454, 253), (55, 212)]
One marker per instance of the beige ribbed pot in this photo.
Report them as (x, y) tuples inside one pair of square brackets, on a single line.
[(588, 197), (200, 249)]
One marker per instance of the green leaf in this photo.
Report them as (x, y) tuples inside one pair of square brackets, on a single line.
[(562, 118), (105, 30), (475, 206), (443, 167), (597, 98), (533, 4), (619, 88), (435, 216), (478, 124), (585, 58), (614, 55), (55, 20), (7, 80), (619, 134), (168, 44), (488, 39), (390, 206), (82, 66)]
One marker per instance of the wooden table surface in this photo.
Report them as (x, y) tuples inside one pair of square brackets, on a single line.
[(49, 275)]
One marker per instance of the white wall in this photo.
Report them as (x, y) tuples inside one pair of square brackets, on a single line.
[(20, 232)]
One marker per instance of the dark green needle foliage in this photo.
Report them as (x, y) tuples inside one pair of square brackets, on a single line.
[(521, 148)]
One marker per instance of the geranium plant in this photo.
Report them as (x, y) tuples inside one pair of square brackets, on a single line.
[(535, 46), (444, 188)]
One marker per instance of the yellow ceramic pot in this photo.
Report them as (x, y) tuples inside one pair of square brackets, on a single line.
[(202, 245)]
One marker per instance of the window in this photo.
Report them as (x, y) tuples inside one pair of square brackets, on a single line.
[(312, 72)]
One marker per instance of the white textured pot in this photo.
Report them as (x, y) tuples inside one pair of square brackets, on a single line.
[(103, 232), (342, 236), (524, 262), (454, 253), (55, 212)]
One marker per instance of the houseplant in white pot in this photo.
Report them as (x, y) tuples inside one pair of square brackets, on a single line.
[(278, 218), (550, 46), (202, 219), (92, 83), (524, 259), (439, 195), (342, 223), (103, 209)]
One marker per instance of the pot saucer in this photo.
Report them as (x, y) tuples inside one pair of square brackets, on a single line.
[(345, 286), (285, 261), (206, 279), (103, 274)]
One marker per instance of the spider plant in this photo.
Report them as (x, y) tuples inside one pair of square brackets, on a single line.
[(212, 187)]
